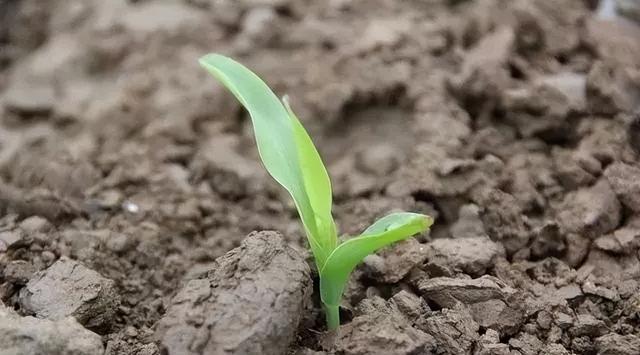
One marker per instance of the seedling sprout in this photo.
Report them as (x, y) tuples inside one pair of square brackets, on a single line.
[(289, 155)]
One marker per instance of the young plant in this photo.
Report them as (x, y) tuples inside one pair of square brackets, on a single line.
[(289, 155)]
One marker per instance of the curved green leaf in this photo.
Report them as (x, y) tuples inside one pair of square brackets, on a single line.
[(390, 221), (285, 149), (316, 182), (343, 259)]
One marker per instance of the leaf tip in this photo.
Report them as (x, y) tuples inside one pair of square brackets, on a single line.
[(208, 61), (287, 104), (203, 61)]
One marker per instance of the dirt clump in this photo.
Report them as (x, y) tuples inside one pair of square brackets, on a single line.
[(591, 212), (394, 263), (30, 335), (624, 181), (472, 256), (454, 330), (382, 334), (231, 309), (54, 294), (447, 292), (617, 344)]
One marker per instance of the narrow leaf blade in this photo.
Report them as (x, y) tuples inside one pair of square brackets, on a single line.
[(343, 259), (284, 146), (316, 181)]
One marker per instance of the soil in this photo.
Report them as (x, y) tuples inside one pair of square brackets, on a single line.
[(136, 218)]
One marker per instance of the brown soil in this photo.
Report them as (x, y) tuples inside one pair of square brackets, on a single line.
[(127, 174)]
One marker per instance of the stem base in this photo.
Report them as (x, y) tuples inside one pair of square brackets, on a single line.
[(333, 316)]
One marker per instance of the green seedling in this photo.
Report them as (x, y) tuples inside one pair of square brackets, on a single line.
[(289, 155)]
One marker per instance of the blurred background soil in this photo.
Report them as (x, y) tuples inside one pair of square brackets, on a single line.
[(126, 170)]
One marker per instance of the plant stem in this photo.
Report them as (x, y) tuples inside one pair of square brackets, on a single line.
[(333, 316)]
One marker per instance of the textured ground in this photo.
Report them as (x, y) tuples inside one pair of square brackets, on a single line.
[(127, 174)]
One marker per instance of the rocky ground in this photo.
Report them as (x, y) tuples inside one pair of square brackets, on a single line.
[(136, 218)]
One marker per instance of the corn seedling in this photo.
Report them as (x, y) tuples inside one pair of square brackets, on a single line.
[(289, 155)]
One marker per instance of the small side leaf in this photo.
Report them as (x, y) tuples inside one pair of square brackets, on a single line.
[(392, 228), (390, 221)]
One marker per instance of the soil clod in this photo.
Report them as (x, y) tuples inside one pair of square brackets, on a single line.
[(251, 302), (470, 255), (29, 335), (67, 288)]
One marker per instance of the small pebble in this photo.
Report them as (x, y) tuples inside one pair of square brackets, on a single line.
[(47, 256), (19, 271), (131, 332), (117, 242), (544, 320), (378, 160), (563, 320), (36, 224), (130, 207)]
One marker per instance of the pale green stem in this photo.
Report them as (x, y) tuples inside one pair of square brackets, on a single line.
[(333, 316)]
